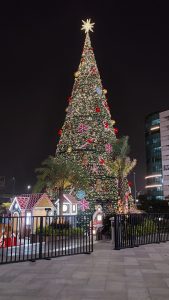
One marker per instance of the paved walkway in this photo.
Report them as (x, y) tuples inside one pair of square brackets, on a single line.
[(135, 274)]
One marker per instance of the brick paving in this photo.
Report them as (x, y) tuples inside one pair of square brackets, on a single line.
[(135, 274)]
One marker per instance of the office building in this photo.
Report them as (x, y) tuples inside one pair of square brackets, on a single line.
[(157, 155)]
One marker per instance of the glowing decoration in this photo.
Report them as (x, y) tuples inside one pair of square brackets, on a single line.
[(106, 125), (101, 161), (88, 129), (104, 91), (69, 149), (113, 122), (82, 128), (77, 74), (98, 91), (89, 141), (116, 130), (108, 148), (81, 194), (84, 204), (99, 217), (60, 132), (87, 25), (97, 109)]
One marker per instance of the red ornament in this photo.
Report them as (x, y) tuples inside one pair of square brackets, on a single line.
[(89, 141), (60, 132), (97, 109), (101, 161), (130, 183), (116, 130), (69, 99), (106, 124)]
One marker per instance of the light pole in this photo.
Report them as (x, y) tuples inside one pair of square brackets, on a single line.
[(135, 191), (13, 183)]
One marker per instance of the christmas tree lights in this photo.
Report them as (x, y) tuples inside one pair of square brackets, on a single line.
[(88, 135)]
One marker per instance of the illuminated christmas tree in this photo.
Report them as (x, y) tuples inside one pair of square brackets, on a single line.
[(88, 135)]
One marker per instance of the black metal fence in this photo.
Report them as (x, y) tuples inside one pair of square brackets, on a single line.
[(133, 230), (32, 238)]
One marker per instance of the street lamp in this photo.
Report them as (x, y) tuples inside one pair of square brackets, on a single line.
[(135, 191)]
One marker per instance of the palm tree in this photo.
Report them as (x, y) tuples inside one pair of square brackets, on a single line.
[(121, 165), (58, 174)]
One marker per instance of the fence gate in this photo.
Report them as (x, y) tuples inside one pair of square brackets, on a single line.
[(133, 230), (32, 238)]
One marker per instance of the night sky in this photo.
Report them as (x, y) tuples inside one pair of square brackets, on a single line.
[(40, 49)]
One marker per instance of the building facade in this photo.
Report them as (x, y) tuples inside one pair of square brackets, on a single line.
[(157, 155)]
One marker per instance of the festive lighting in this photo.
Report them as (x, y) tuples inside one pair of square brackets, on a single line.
[(88, 129), (87, 26)]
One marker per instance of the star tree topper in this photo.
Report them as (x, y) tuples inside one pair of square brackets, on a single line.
[(87, 26)]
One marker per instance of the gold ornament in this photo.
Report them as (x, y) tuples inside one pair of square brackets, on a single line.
[(104, 91), (113, 122), (87, 26), (85, 160), (69, 149), (66, 110), (77, 74)]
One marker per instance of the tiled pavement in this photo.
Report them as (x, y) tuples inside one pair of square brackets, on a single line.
[(136, 274)]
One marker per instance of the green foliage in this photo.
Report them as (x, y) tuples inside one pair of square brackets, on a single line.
[(121, 147), (57, 174), (71, 231), (142, 227), (4, 207)]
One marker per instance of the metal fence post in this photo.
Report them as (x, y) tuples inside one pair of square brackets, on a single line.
[(40, 237), (112, 231)]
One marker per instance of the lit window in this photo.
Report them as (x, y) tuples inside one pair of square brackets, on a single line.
[(28, 218), (16, 205), (99, 217), (65, 208), (74, 207)]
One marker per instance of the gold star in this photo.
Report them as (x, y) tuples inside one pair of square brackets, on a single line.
[(87, 26)]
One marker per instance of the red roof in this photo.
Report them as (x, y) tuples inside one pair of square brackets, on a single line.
[(28, 201), (70, 197)]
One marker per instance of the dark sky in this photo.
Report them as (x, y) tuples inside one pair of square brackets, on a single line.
[(40, 49)]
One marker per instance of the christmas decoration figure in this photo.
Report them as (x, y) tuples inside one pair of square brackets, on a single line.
[(84, 204), (88, 130)]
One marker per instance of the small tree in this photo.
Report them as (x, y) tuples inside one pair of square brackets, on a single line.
[(4, 207), (121, 166), (58, 174)]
